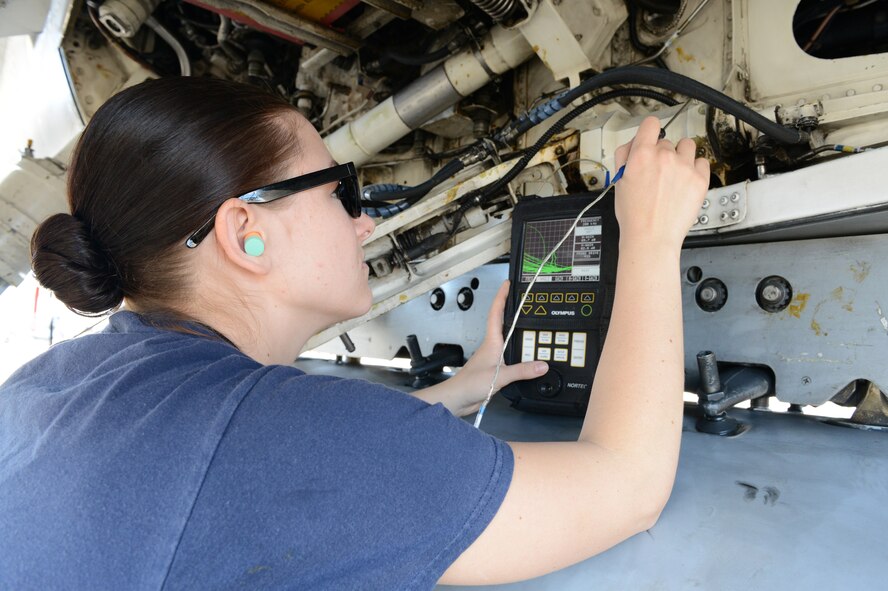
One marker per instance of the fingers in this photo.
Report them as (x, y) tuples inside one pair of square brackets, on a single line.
[(648, 134), (622, 155), (521, 371), (497, 309), (686, 149), (702, 167)]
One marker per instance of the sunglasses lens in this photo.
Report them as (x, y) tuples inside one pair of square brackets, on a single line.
[(350, 195)]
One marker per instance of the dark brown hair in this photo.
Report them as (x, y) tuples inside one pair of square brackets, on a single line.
[(153, 164)]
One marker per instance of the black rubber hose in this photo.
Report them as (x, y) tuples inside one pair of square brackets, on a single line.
[(559, 125), (413, 194), (416, 60), (692, 89), (480, 196)]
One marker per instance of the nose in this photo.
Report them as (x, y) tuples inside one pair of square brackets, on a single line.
[(364, 226)]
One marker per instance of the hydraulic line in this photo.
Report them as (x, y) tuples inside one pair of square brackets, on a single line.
[(417, 60), (480, 196), (388, 192), (692, 89), (484, 193)]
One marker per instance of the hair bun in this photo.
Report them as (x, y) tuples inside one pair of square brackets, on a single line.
[(67, 261)]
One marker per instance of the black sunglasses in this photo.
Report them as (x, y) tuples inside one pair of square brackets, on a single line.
[(348, 191)]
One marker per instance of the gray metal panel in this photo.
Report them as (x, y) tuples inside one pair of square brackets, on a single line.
[(792, 503), (834, 331)]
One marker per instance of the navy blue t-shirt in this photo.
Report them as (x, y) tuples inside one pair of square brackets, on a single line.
[(141, 458)]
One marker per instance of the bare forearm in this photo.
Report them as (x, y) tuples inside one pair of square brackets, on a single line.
[(636, 403)]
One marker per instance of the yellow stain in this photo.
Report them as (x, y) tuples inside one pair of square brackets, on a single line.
[(797, 306), (451, 195), (683, 55), (860, 271), (402, 298), (837, 293), (815, 326)]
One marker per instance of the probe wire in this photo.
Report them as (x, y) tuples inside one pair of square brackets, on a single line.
[(502, 357)]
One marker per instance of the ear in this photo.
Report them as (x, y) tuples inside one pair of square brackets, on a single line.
[(234, 220)]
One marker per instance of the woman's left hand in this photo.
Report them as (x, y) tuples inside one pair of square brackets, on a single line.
[(463, 393)]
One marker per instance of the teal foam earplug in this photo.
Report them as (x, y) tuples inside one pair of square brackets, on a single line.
[(253, 244)]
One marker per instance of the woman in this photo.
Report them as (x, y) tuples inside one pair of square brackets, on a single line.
[(177, 450)]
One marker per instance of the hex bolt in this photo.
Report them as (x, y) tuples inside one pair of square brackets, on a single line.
[(806, 380), (705, 204), (735, 197), (723, 200), (735, 214), (704, 219)]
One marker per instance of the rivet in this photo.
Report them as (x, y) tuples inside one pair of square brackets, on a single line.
[(735, 197), (705, 204), (704, 219), (735, 214), (723, 199)]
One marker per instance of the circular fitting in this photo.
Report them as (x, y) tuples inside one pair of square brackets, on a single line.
[(704, 219), (712, 294), (773, 294), (723, 199), (465, 298), (437, 298), (735, 197), (705, 204)]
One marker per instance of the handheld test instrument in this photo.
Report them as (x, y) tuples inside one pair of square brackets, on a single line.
[(563, 321)]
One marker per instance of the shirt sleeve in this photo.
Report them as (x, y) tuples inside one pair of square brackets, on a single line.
[(325, 483)]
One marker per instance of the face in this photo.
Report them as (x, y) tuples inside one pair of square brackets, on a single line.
[(316, 245)]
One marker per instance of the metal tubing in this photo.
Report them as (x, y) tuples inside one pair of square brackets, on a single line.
[(710, 382), (741, 384), (459, 76), (425, 98)]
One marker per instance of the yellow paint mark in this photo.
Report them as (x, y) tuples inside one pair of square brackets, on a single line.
[(797, 306), (860, 271), (451, 195), (837, 293), (815, 326), (849, 307), (402, 298), (683, 55)]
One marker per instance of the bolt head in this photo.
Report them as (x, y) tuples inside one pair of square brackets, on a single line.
[(705, 204), (735, 197), (723, 200), (708, 294), (724, 216), (704, 219), (735, 214), (772, 293)]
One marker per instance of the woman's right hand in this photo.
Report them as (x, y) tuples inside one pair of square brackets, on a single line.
[(662, 188)]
